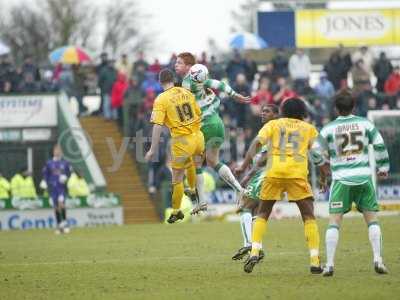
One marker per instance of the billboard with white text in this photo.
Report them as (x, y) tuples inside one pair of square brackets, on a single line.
[(19, 111)]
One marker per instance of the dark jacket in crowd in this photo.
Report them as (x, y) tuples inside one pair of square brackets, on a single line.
[(239, 111), (9, 74), (336, 69), (382, 70), (280, 64), (29, 68), (29, 86), (79, 80), (216, 69), (235, 67), (107, 77), (139, 70), (251, 69)]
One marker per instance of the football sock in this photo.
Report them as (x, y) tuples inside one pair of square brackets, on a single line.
[(331, 241), (226, 174), (58, 216), (200, 185), (63, 214), (245, 225), (312, 238), (259, 229), (191, 177), (375, 238), (177, 194)]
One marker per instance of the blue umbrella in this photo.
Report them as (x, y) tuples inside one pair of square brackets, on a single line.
[(247, 40)]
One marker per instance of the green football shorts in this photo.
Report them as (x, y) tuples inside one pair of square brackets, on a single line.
[(253, 187), (342, 197), (213, 130)]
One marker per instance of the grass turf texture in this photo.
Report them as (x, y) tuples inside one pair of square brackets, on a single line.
[(191, 261)]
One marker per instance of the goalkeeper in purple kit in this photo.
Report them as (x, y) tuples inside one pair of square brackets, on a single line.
[(56, 173)]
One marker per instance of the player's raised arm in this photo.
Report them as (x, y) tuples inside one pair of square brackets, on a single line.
[(226, 88)]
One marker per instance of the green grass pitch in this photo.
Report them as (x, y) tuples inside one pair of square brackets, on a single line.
[(191, 261)]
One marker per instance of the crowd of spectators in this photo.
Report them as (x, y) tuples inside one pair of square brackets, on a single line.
[(375, 82), (27, 78)]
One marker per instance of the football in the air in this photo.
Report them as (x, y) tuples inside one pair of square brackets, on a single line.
[(198, 73)]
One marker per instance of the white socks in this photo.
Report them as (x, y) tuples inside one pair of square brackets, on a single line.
[(375, 238), (226, 174), (246, 221), (200, 187), (332, 238), (331, 241)]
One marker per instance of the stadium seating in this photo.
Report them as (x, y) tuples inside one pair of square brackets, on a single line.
[(125, 181)]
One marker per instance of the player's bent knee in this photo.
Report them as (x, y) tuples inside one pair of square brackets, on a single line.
[(263, 215), (265, 209), (335, 219), (307, 214), (251, 204), (370, 216), (307, 217)]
